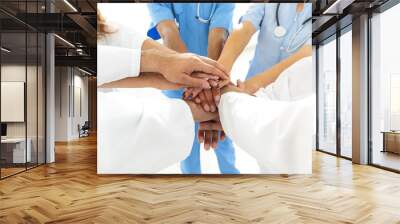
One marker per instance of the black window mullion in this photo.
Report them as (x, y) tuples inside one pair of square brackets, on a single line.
[(26, 88), (37, 90), (338, 91), (317, 94), (369, 81), (0, 96)]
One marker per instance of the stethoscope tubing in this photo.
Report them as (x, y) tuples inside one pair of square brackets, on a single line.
[(202, 20), (277, 16), (295, 34)]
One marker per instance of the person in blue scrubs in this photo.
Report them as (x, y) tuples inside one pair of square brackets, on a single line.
[(271, 46), (284, 29), (199, 28)]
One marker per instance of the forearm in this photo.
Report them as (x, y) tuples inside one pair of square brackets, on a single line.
[(265, 78), (152, 80), (153, 59), (235, 44), (152, 44), (216, 40), (169, 33)]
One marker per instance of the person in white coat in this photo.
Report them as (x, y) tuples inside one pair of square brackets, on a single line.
[(129, 120), (276, 125)]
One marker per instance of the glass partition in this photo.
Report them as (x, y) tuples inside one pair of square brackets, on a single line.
[(13, 95), (41, 97), (22, 78), (31, 99)]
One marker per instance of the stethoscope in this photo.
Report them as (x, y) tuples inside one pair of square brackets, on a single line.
[(279, 30), (202, 20)]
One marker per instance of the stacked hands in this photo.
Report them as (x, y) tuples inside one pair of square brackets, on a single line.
[(203, 80), (202, 92), (205, 101)]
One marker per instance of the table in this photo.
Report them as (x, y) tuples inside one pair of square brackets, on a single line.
[(15, 148), (391, 141)]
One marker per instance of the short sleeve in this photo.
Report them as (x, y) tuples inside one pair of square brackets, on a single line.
[(158, 12), (255, 15), (222, 17)]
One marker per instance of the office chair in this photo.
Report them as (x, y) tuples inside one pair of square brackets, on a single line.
[(84, 130)]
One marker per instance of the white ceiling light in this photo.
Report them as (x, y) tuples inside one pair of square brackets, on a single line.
[(338, 6), (65, 41), (5, 50), (84, 71), (70, 5)]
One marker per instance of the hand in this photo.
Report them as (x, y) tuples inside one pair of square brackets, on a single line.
[(208, 133), (241, 85), (241, 88), (178, 68), (208, 98), (193, 92), (199, 114)]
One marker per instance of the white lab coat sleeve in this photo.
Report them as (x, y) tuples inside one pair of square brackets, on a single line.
[(278, 134), (115, 63), (296, 82), (140, 131), (118, 54)]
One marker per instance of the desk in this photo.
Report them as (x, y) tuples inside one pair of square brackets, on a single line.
[(391, 141), (13, 150)]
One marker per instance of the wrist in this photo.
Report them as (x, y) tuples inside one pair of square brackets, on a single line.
[(146, 64), (226, 64), (251, 89)]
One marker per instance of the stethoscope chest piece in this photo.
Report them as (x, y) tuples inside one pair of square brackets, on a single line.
[(280, 31)]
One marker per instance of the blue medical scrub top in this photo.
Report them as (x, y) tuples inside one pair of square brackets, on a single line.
[(271, 49), (193, 32)]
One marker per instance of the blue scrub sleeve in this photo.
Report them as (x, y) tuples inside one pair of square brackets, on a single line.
[(255, 15), (222, 17), (158, 12)]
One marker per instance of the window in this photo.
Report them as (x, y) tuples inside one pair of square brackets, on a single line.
[(395, 102), (327, 97), (385, 89), (346, 94)]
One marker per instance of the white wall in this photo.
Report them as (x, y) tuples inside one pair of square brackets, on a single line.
[(16, 73), (79, 117), (69, 82)]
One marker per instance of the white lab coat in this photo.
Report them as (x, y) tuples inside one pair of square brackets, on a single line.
[(276, 127), (140, 131)]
